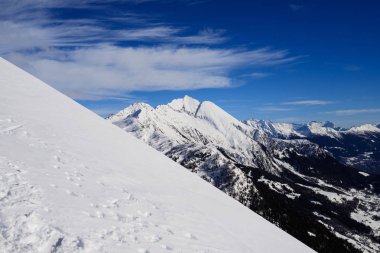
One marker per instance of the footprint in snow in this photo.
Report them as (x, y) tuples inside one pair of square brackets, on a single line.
[(163, 246), (133, 238), (167, 230), (114, 203), (71, 193), (26, 133), (119, 217), (87, 214), (58, 159), (143, 250), (190, 236), (152, 238), (84, 166), (100, 215), (94, 205), (144, 214)]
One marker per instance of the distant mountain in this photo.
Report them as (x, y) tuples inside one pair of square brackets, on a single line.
[(358, 146), (275, 169)]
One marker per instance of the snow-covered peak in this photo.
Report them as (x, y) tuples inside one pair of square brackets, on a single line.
[(319, 128), (187, 104), (216, 116), (364, 129), (328, 124), (134, 108), (185, 120), (272, 129)]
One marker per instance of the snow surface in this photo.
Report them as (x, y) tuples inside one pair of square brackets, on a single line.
[(73, 182), (363, 173)]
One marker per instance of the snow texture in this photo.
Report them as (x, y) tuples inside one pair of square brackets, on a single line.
[(73, 182)]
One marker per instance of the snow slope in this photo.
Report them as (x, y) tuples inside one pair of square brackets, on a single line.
[(72, 182)]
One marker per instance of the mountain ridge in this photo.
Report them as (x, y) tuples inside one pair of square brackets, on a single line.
[(276, 169)]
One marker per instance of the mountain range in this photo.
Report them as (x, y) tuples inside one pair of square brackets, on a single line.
[(72, 182), (318, 182)]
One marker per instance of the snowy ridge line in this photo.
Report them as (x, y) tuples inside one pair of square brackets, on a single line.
[(276, 169)]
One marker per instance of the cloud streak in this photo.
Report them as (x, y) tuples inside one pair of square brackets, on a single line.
[(275, 109), (106, 71), (308, 102), (295, 7), (90, 59), (351, 112)]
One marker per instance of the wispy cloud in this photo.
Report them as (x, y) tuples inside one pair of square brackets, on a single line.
[(96, 72), (352, 68), (275, 109), (295, 7), (350, 112), (258, 75), (308, 102), (88, 58)]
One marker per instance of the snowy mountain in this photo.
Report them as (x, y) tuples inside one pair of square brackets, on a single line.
[(73, 182), (358, 146), (272, 168)]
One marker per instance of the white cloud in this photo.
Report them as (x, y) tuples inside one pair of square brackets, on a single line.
[(258, 75), (27, 24), (275, 109), (352, 68), (108, 71), (308, 102), (350, 112), (83, 57), (295, 7)]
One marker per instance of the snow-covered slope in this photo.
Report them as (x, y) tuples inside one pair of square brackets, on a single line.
[(272, 129), (272, 168), (367, 128), (72, 182)]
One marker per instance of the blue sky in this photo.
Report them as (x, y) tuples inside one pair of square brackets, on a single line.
[(291, 61)]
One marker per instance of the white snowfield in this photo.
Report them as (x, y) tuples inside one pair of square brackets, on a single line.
[(72, 182)]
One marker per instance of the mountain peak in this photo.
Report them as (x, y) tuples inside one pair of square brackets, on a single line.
[(364, 128), (187, 104), (328, 124), (133, 108), (216, 115), (320, 128)]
